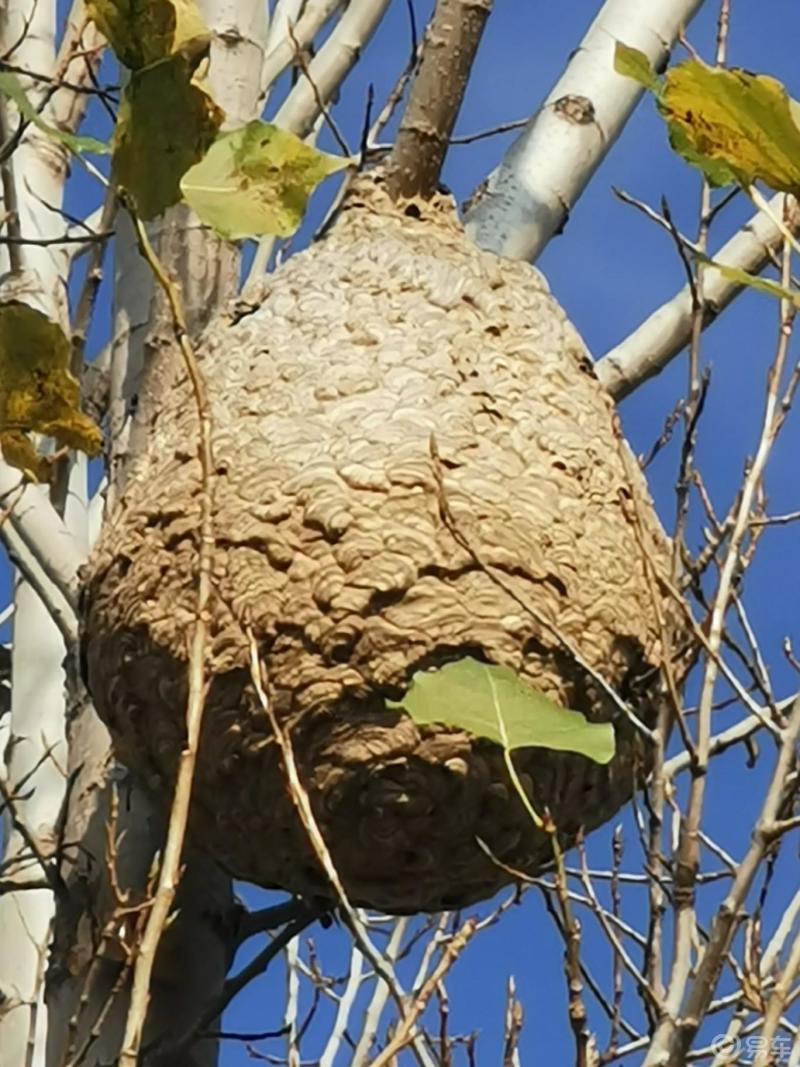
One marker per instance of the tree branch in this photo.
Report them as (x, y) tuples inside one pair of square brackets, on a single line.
[(664, 334), (26, 512), (448, 53), (331, 65), (527, 199), (281, 48)]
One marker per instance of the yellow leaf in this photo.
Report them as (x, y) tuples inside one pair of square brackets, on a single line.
[(732, 125), (165, 123), (256, 180), (20, 452), (142, 32), (37, 392), (739, 122)]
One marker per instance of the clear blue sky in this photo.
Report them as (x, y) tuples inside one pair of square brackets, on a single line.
[(609, 270)]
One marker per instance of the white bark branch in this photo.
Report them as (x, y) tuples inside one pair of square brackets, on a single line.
[(724, 740), (331, 65), (664, 334), (37, 745), (60, 611), (26, 510), (280, 47), (528, 197)]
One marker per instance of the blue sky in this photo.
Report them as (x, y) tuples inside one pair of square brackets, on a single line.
[(609, 270)]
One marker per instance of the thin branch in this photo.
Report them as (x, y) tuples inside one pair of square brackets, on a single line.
[(734, 735), (404, 1034), (663, 335), (170, 872), (354, 980), (10, 205), (331, 65), (372, 1016), (302, 63), (314, 17), (303, 805), (669, 1040), (48, 869), (258, 922), (493, 131), (528, 197)]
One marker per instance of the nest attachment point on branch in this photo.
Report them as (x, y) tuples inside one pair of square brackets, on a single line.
[(335, 548)]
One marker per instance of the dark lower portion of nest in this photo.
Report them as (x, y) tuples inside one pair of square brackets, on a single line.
[(416, 818)]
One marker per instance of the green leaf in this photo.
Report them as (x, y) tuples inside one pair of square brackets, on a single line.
[(38, 394), (11, 87), (635, 64), (256, 180), (165, 123), (495, 703), (752, 281), (142, 32)]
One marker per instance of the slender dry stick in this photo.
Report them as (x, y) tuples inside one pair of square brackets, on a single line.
[(616, 962), (404, 1034), (571, 933), (448, 52), (352, 986), (399, 87), (45, 862), (170, 872), (302, 63), (641, 980), (372, 1015), (694, 402), (292, 1002)]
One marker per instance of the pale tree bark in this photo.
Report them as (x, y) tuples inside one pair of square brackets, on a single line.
[(527, 198), (88, 987), (35, 749), (667, 331)]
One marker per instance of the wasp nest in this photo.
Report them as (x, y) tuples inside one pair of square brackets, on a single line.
[(414, 464)]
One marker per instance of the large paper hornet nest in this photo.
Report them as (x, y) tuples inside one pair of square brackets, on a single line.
[(335, 549)]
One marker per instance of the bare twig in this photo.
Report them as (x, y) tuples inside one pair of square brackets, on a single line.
[(670, 1042), (664, 335), (404, 1034)]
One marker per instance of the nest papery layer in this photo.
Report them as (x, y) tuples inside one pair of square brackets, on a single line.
[(414, 463)]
